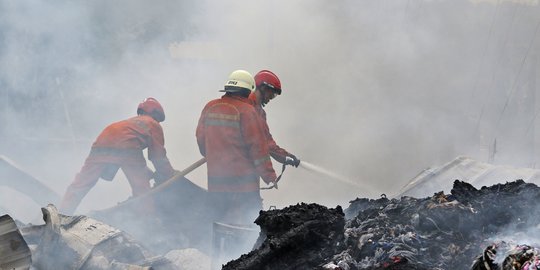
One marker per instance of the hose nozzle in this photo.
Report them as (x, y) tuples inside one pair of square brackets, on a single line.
[(292, 161)]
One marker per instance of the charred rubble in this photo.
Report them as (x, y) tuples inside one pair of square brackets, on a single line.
[(444, 231), (296, 237), (478, 229)]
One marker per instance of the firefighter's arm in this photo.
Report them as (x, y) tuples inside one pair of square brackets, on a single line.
[(279, 154), (252, 131), (276, 152), (158, 155)]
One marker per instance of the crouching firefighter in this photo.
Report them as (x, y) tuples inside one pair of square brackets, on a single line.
[(120, 146)]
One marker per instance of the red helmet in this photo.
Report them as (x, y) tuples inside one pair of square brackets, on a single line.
[(151, 107), (268, 78)]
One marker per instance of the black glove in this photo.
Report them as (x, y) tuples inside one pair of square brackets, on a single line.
[(292, 160)]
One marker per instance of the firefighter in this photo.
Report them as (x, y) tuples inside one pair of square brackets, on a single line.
[(121, 145), (230, 135), (268, 86)]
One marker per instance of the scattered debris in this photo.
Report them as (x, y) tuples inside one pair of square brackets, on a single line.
[(189, 259), (507, 256), (79, 242), (480, 229), (303, 236), (444, 231), (14, 252)]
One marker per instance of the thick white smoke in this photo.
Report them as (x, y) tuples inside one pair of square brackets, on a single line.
[(372, 90)]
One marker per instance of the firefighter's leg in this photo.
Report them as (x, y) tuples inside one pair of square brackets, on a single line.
[(84, 181), (139, 180)]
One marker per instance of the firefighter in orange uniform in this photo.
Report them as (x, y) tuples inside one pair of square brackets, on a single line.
[(121, 145), (230, 135), (268, 86)]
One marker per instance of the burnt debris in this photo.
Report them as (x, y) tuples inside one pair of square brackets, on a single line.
[(489, 228), (444, 231), (296, 237)]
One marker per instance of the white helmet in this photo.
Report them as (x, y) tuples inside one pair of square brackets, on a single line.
[(239, 79)]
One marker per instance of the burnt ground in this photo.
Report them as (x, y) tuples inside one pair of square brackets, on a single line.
[(444, 231)]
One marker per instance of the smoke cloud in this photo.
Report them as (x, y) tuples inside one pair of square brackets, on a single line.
[(375, 91)]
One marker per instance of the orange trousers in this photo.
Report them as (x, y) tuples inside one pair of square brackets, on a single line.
[(138, 177)]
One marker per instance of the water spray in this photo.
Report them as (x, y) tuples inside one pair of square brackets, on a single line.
[(343, 179)]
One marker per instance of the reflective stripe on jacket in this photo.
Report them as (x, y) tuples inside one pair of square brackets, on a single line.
[(276, 152), (231, 137), (122, 143)]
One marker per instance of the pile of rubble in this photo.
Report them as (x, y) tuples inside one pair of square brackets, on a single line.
[(296, 237), (80, 242), (480, 229), (445, 231)]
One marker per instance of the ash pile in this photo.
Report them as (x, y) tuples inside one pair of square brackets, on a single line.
[(488, 228)]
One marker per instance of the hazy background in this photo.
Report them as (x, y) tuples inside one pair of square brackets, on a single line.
[(375, 91)]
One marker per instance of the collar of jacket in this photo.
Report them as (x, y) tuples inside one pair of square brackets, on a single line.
[(243, 99), (254, 100)]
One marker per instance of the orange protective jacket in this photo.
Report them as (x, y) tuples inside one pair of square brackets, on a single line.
[(231, 137), (122, 143), (276, 152)]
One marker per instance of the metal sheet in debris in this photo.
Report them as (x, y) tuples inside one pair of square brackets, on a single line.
[(79, 242), (14, 252), (92, 231)]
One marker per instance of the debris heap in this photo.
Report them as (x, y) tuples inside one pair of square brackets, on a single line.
[(296, 237), (79, 242), (444, 231)]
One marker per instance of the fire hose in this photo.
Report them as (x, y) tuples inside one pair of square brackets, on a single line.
[(274, 184), (288, 161)]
